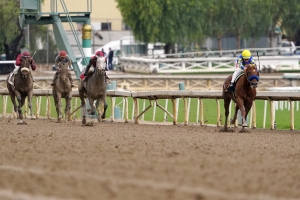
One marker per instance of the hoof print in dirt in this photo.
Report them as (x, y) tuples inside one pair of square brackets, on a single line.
[(244, 131), (227, 130), (90, 124), (22, 123)]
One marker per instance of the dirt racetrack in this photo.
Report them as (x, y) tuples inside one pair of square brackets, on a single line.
[(48, 160)]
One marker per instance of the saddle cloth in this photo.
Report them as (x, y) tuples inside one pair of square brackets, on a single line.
[(9, 79)]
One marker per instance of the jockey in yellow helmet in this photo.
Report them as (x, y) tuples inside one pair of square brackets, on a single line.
[(242, 60)]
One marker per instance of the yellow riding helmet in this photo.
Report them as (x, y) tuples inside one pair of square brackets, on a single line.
[(246, 54)]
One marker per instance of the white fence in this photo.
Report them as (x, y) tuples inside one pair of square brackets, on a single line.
[(154, 96), (202, 64)]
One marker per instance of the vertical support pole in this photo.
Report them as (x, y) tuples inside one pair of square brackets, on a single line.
[(186, 118), (86, 42), (113, 102), (36, 106), (201, 112), (272, 110), (218, 113), (136, 110), (253, 115), (126, 109), (174, 111), (291, 114)]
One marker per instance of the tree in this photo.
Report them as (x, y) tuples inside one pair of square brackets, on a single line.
[(167, 21), (11, 34)]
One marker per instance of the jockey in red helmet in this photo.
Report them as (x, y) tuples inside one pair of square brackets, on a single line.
[(64, 58), (93, 62), (25, 54)]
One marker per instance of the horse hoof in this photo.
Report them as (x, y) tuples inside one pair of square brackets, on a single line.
[(22, 123), (83, 121), (92, 113), (33, 118), (90, 124), (245, 125)]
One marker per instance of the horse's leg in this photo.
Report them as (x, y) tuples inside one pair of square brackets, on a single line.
[(59, 106), (83, 107), (227, 100), (98, 110), (105, 107), (13, 100), (29, 96), (240, 105), (235, 114), (19, 107), (91, 101), (248, 106), (68, 106)]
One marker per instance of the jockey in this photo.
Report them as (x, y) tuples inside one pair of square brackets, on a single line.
[(62, 57), (93, 62), (25, 54), (244, 59)]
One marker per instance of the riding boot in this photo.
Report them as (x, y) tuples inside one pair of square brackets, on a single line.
[(55, 77), (231, 87)]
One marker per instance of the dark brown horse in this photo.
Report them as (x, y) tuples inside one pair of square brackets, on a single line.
[(95, 90), (243, 96), (62, 89), (21, 88)]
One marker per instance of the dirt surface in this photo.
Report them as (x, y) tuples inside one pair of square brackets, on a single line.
[(48, 160)]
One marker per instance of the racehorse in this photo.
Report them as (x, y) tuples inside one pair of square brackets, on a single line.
[(243, 96), (62, 89), (95, 90), (21, 88)]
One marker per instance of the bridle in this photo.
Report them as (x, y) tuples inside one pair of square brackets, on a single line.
[(100, 71), (250, 77), (24, 69)]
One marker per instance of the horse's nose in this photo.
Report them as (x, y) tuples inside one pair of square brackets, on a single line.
[(254, 85)]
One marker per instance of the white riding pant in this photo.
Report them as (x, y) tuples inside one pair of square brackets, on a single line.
[(237, 72), (16, 70)]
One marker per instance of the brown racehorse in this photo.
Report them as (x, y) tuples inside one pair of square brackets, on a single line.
[(95, 90), (243, 96), (62, 89), (23, 87)]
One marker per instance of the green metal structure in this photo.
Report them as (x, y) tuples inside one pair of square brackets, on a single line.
[(31, 13)]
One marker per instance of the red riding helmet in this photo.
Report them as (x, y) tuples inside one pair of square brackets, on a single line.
[(62, 54), (26, 54), (99, 53)]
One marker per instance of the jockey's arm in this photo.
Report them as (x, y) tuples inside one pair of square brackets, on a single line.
[(32, 64), (239, 63), (56, 61)]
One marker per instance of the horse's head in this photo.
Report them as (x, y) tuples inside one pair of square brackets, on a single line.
[(64, 70), (100, 65), (25, 65), (252, 75)]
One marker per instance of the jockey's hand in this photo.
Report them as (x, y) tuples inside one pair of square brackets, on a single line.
[(245, 68), (30, 61)]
